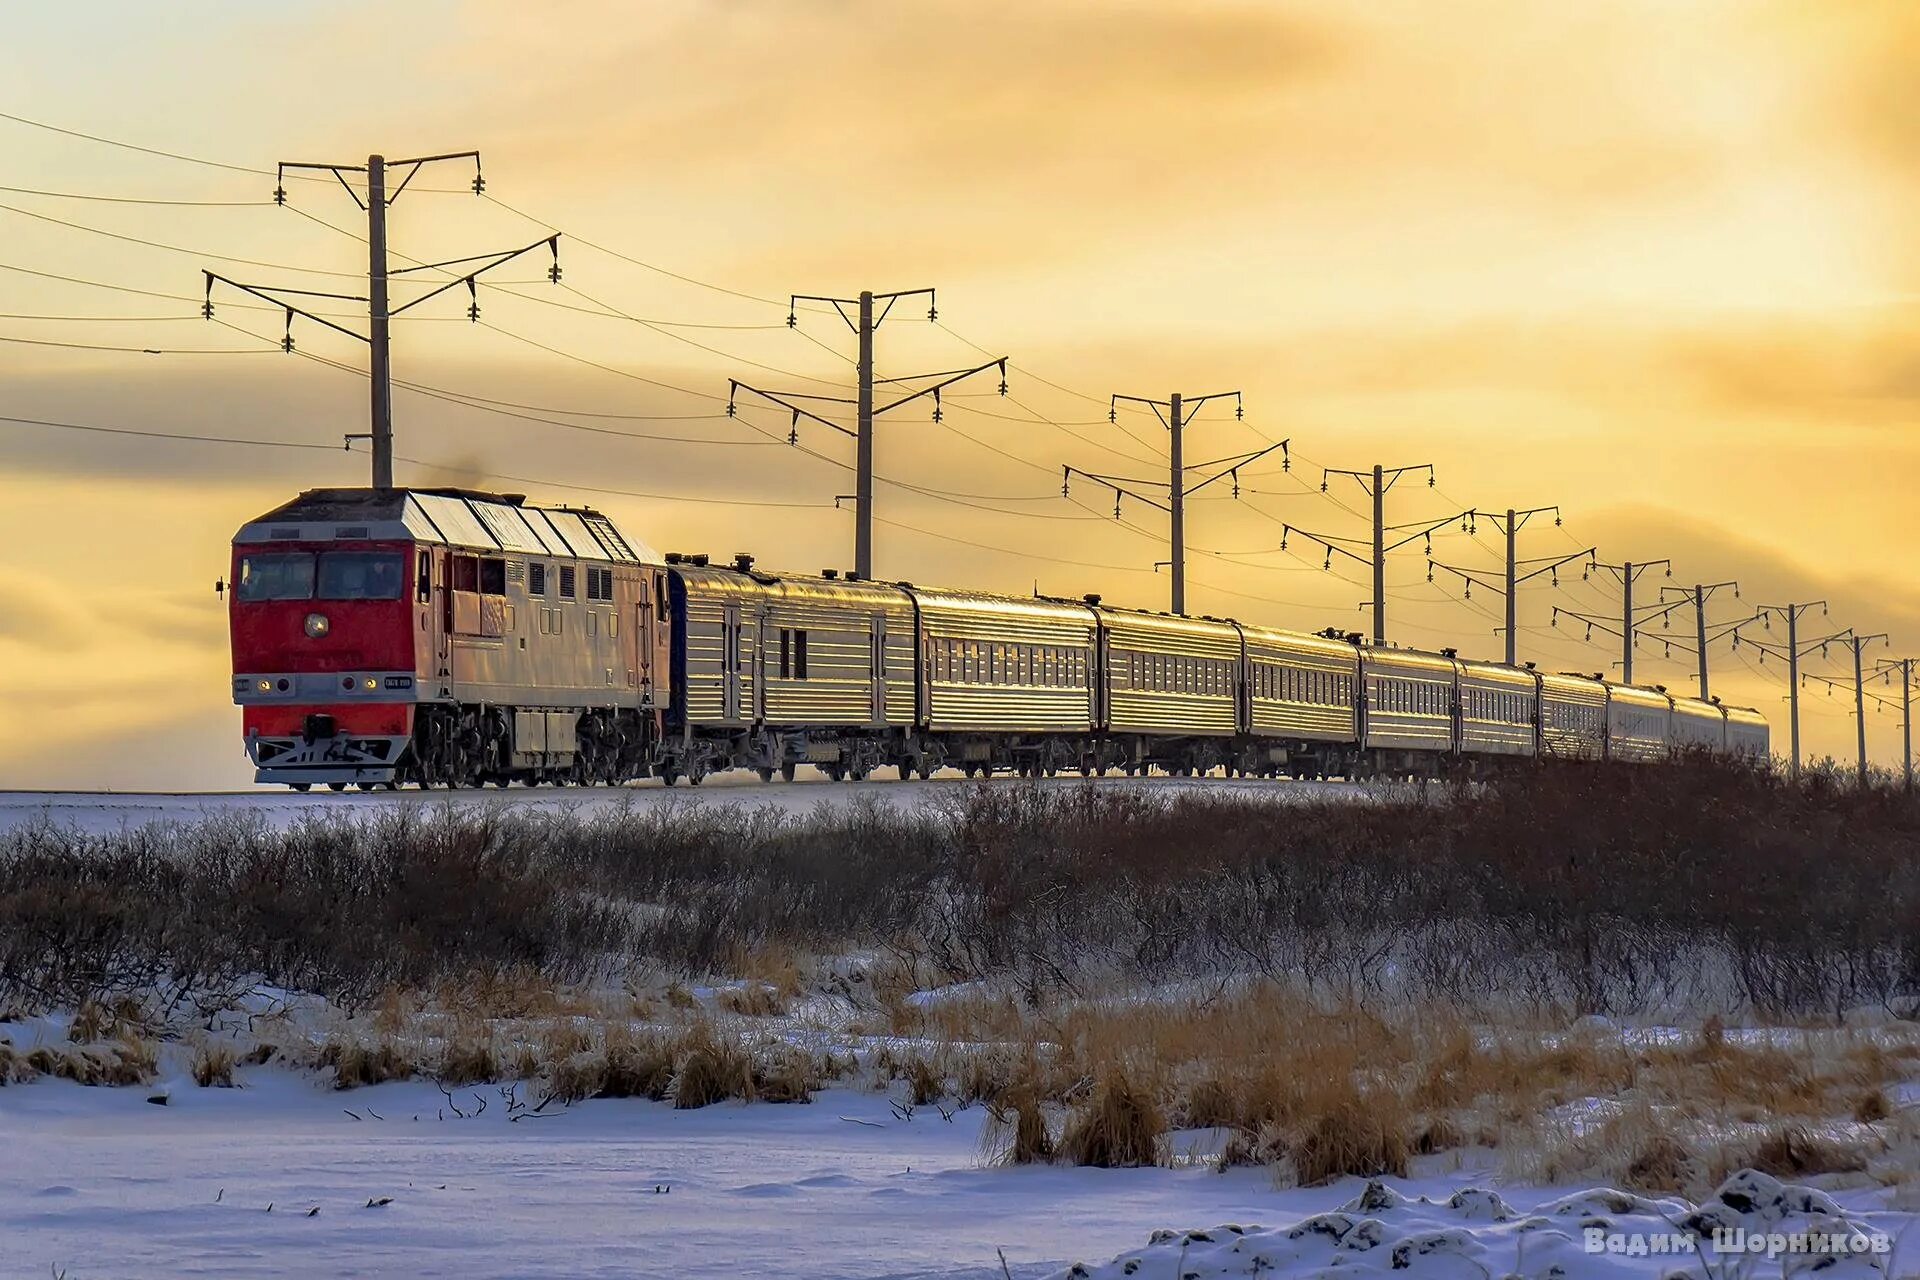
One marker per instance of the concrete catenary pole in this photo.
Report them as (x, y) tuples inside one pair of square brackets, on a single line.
[(1793, 685), (1513, 542), (1379, 554), (1700, 633), (381, 363), (863, 450), (1626, 626), (1860, 706), (1177, 502)]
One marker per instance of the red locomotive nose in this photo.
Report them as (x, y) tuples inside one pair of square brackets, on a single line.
[(306, 608)]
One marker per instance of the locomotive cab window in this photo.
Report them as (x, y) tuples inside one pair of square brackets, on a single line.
[(287, 576), (493, 577), (361, 575), (423, 578)]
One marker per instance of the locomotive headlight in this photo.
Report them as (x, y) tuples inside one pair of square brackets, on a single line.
[(317, 625), (264, 686), (370, 684)]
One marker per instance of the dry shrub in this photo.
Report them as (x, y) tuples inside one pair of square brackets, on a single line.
[(1872, 1107), (1435, 1134), (1529, 1076), (91, 1022), (1210, 1103), (130, 1060), (1017, 1132), (1120, 1127), (925, 1084), (213, 1066), (356, 1063), (791, 1075), (1637, 1150), (1795, 1151), (1362, 1134), (711, 1070), (468, 1058), (575, 1079), (1267, 1147), (755, 1000), (637, 1066), (678, 997), (771, 964)]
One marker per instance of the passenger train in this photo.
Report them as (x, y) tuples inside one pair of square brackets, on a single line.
[(444, 637)]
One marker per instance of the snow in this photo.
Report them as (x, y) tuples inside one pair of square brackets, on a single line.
[(99, 811), (102, 1183)]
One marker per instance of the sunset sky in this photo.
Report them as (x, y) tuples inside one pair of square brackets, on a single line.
[(1655, 262)]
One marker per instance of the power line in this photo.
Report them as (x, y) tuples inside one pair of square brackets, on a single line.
[(140, 200)]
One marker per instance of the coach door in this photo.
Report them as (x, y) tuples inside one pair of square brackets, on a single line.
[(730, 663)]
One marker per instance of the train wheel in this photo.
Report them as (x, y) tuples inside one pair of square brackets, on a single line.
[(926, 770), (766, 773), (336, 787), (668, 777), (787, 771), (364, 786), (302, 787)]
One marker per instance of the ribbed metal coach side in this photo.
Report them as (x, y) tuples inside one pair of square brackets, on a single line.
[(717, 645), (1499, 710), (859, 639), (1299, 692), (1698, 726), (1573, 718), (1409, 699), (1003, 665), (1639, 723), (1169, 676)]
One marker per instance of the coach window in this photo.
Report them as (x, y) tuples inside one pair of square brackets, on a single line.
[(786, 653), (799, 655)]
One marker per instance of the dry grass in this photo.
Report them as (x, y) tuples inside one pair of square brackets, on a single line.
[(754, 1000), (469, 1057), (711, 1070), (1017, 1132), (1796, 1152), (213, 1066), (129, 1060), (1119, 1127), (356, 1063), (1363, 1134)]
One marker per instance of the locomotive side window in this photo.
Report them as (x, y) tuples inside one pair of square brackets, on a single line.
[(493, 577), (566, 582), (361, 575), (536, 578), (466, 573), (287, 576)]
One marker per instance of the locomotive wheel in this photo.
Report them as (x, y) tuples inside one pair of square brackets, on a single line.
[(787, 771), (926, 770), (837, 772), (766, 773), (668, 777)]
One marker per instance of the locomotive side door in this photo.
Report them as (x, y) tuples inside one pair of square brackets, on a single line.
[(443, 639)]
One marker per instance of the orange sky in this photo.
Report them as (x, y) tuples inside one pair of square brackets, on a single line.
[(1655, 263)]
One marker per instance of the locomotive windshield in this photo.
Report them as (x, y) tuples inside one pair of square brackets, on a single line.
[(287, 576), (340, 575), (361, 575)]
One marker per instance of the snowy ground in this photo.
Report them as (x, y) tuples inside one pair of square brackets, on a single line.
[(108, 811), (102, 1183)]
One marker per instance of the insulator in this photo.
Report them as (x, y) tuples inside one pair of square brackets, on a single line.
[(1589, 633), (1116, 506), (286, 343), (1063, 488), (1736, 591), (936, 413), (793, 321), (279, 195), (1283, 544), (732, 408), (1554, 621), (553, 273), (206, 309), (1239, 413), (473, 312), (933, 312), (1430, 481), (793, 435), (1668, 651), (1429, 573), (1003, 386), (1323, 486), (1556, 520), (1113, 415), (1329, 563), (1469, 591), (479, 183), (1286, 463), (1556, 579), (1669, 571)]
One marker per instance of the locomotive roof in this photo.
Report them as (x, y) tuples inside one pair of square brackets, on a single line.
[(456, 517)]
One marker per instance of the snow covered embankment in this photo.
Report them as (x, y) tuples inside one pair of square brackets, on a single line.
[(1753, 1219)]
